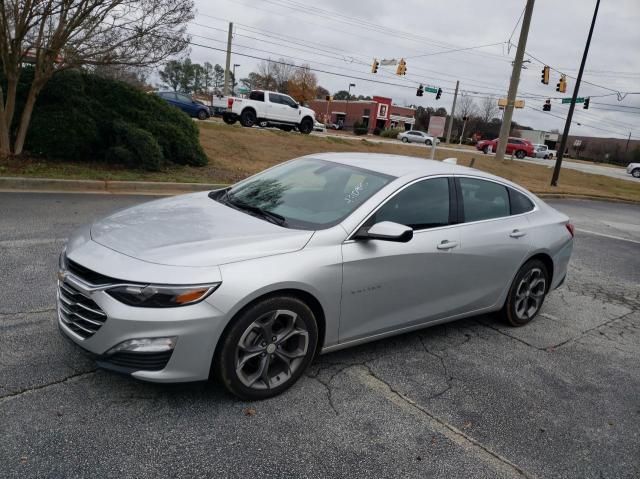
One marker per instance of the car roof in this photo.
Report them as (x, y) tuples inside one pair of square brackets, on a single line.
[(399, 165)]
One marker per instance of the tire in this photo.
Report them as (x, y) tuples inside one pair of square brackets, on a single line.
[(527, 294), (229, 118), (405, 139), (286, 127), (248, 118), (551, 157), (428, 142), (243, 352), (636, 173), (520, 154), (306, 126), (485, 150), (202, 115)]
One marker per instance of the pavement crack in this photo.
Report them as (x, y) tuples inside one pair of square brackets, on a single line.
[(595, 328), (47, 385), (449, 378), (454, 434)]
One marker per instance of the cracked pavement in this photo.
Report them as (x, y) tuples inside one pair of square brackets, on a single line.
[(474, 398)]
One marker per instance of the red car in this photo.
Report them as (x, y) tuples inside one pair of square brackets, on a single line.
[(518, 147)]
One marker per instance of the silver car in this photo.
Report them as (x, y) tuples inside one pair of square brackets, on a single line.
[(415, 136), (320, 253)]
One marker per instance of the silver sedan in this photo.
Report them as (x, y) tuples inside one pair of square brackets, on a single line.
[(415, 136), (316, 254)]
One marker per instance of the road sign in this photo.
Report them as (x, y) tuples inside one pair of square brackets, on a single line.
[(568, 100), (430, 89), (436, 125), (243, 90), (577, 143)]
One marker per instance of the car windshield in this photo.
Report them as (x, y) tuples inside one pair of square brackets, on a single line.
[(306, 194)]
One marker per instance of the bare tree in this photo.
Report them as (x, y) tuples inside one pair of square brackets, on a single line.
[(466, 107), (488, 110), (53, 35)]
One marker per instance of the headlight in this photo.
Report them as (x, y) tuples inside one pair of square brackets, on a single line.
[(152, 296)]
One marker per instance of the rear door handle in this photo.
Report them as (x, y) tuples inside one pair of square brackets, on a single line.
[(517, 234), (446, 244)]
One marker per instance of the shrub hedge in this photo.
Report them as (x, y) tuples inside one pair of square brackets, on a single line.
[(81, 116), (390, 133)]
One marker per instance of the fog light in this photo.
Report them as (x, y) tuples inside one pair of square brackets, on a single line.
[(146, 345)]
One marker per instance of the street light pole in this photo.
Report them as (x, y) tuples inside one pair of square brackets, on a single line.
[(567, 125), (346, 113), (233, 80), (505, 128)]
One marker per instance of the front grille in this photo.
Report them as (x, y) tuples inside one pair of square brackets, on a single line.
[(78, 312), (138, 361), (87, 275)]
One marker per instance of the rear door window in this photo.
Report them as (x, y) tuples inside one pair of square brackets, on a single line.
[(483, 200), (257, 96)]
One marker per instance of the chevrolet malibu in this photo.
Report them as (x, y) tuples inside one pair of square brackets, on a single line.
[(320, 253)]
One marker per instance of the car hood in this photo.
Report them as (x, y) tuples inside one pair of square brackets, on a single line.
[(193, 230)]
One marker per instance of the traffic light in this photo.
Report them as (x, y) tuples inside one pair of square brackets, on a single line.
[(438, 93), (546, 106), (585, 105), (328, 98), (562, 84), (402, 67), (545, 75), (420, 91), (374, 65)]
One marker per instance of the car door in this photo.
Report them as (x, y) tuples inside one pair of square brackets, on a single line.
[(493, 241), (416, 137), (186, 104), (277, 107), (292, 112), (391, 285)]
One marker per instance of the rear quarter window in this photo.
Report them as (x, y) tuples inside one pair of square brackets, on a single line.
[(256, 95), (519, 202)]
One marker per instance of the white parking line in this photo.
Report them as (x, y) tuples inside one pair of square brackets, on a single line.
[(607, 235)]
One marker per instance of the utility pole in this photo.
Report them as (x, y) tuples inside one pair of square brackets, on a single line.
[(628, 140), (464, 126), (453, 110), (225, 90), (505, 128), (567, 125)]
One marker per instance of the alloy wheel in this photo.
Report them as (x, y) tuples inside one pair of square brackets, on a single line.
[(271, 349), (530, 294)]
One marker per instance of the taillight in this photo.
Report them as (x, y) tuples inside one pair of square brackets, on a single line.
[(229, 102), (570, 229)]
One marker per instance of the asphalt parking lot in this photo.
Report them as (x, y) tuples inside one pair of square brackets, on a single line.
[(557, 398)]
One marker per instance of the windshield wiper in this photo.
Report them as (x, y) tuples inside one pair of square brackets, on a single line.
[(274, 218)]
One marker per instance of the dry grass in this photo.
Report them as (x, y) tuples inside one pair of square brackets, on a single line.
[(235, 153)]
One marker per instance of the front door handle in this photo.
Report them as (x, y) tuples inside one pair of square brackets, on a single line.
[(446, 244), (517, 234)]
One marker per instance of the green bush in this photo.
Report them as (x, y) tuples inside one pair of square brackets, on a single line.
[(84, 117), (390, 133), (359, 128)]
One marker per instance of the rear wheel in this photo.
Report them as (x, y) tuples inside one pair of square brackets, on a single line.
[(520, 154), (636, 173), (527, 293), (229, 118), (306, 126), (248, 118), (267, 348)]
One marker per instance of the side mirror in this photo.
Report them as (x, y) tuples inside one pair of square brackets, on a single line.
[(386, 231)]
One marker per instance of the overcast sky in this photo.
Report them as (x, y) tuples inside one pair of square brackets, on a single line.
[(333, 42)]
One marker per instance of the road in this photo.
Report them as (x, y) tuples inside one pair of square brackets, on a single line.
[(557, 398), (594, 169)]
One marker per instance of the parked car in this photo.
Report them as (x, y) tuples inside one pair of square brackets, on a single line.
[(191, 107), (634, 169), (269, 108), (543, 151), (415, 136), (518, 147), (317, 254), (319, 127)]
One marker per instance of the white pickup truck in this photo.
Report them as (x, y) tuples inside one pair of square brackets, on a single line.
[(269, 108)]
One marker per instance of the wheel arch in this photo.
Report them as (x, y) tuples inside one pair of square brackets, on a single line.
[(546, 259), (247, 108), (305, 296)]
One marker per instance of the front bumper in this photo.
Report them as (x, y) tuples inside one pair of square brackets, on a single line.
[(197, 328)]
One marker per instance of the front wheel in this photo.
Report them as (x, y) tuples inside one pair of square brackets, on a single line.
[(428, 142), (520, 154), (405, 139), (636, 173), (267, 348), (485, 150), (306, 126), (527, 293), (202, 115)]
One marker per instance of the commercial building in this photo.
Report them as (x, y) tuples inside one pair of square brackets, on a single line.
[(539, 137), (377, 113)]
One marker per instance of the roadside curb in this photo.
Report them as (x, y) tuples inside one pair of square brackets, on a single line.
[(569, 196), (50, 185)]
